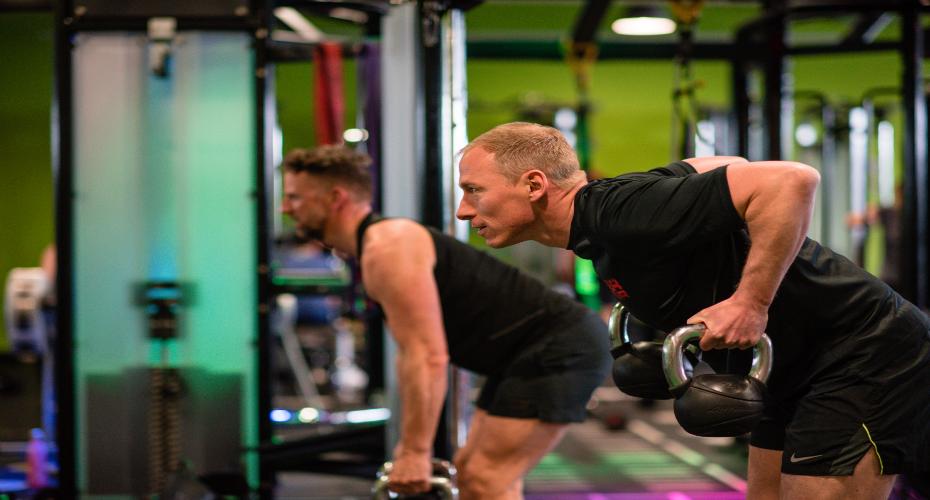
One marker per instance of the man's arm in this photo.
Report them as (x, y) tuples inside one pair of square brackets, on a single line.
[(776, 199), (397, 269), (705, 163)]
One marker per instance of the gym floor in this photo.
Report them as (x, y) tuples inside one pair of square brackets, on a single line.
[(625, 451), (645, 456)]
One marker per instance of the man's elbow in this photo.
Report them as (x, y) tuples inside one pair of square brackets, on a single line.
[(809, 176), (802, 177), (437, 360)]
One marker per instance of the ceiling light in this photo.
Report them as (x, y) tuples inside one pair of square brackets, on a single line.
[(300, 24), (643, 21), (355, 16)]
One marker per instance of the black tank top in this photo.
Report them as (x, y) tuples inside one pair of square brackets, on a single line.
[(490, 309)]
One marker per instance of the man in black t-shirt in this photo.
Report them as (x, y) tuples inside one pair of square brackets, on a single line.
[(721, 241), (543, 353)]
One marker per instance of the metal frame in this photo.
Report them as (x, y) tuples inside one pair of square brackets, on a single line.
[(913, 265), (68, 24), (769, 51), (915, 262), (63, 163)]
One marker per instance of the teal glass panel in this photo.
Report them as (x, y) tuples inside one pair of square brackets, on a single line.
[(165, 184)]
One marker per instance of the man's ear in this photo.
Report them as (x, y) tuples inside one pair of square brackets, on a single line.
[(339, 195), (536, 184)]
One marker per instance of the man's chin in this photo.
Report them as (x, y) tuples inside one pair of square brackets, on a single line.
[(497, 242), (310, 234)]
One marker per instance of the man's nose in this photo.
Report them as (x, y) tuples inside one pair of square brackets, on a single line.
[(465, 211)]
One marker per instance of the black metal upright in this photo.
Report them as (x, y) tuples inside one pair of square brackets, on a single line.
[(431, 31), (775, 79), (62, 162), (264, 127), (739, 81), (914, 233), (70, 19)]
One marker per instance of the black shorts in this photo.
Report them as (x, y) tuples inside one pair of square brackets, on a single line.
[(827, 430), (552, 379)]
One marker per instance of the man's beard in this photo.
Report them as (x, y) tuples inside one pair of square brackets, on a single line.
[(310, 233)]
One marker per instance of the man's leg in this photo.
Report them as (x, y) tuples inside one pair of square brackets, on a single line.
[(499, 452), (474, 428), (866, 483), (764, 473)]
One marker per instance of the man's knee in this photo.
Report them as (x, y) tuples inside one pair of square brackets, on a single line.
[(477, 481)]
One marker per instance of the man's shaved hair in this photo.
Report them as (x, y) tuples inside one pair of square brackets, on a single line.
[(521, 146)]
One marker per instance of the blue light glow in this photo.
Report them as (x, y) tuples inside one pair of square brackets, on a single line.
[(279, 415)]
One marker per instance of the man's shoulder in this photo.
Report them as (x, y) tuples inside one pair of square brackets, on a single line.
[(391, 240), (608, 190), (395, 231)]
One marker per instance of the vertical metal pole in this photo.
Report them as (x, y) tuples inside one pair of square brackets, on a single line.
[(435, 210), (913, 270), (774, 81), (827, 170), (403, 128), (739, 68), (63, 163), (265, 116), (454, 138), (431, 37)]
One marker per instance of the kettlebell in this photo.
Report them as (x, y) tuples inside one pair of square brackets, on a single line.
[(442, 484), (637, 369), (716, 404)]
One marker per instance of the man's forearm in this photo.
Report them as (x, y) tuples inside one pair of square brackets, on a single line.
[(422, 387)]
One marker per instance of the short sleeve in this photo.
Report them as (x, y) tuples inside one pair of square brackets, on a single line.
[(679, 168), (665, 209)]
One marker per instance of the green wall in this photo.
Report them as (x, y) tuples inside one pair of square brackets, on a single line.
[(294, 90), (630, 120), (26, 199), (631, 117)]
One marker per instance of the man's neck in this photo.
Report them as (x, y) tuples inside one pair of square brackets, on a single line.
[(556, 217), (347, 222)]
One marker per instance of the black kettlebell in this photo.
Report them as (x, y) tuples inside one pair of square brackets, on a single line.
[(637, 367), (716, 404), (442, 484)]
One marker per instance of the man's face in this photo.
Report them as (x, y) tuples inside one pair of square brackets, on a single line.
[(306, 203), (499, 209)]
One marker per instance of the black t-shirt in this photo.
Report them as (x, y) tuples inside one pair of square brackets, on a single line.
[(669, 243), (491, 309)]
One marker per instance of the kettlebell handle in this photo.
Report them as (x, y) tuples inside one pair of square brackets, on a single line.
[(439, 485), (617, 324), (673, 356)]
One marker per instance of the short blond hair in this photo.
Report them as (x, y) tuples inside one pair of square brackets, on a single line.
[(521, 146)]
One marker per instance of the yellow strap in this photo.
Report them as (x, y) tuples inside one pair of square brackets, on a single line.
[(580, 57), (686, 11), (881, 465)]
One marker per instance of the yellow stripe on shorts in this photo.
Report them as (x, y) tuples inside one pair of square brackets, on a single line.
[(875, 446)]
